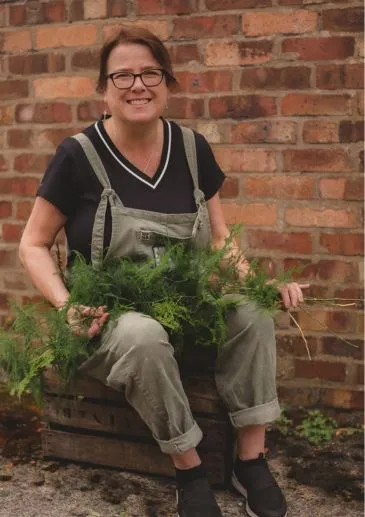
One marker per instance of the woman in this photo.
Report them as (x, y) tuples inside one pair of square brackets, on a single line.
[(114, 189)]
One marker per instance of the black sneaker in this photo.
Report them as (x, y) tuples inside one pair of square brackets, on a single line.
[(255, 482), (196, 499)]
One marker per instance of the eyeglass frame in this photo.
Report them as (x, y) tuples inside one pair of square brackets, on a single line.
[(111, 76)]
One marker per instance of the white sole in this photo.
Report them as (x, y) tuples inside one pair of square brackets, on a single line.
[(237, 485)]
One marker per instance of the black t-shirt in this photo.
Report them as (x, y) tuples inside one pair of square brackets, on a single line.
[(71, 185)]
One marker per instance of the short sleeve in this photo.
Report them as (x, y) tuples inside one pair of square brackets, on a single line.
[(58, 183), (211, 176)]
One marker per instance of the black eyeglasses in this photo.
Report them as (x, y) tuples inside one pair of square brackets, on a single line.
[(125, 80)]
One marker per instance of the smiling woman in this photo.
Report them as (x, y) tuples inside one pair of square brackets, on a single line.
[(124, 187)]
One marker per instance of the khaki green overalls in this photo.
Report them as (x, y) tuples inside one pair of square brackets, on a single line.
[(135, 355)]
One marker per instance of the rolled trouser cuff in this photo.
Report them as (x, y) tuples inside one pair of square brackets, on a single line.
[(257, 415), (182, 443)]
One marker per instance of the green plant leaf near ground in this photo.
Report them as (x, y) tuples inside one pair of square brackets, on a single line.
[(317, 428)]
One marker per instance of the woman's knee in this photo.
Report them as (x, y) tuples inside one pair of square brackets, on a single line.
[(251, 321)]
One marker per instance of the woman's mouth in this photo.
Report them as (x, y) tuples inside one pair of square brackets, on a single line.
[(138, 102)]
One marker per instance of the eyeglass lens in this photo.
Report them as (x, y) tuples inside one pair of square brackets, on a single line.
[(127, 79)]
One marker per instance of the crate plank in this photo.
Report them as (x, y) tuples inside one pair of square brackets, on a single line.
[(119, 453)]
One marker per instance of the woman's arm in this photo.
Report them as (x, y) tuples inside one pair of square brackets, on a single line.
[(44, 223)]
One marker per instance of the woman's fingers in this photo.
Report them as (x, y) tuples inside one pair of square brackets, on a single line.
[(291, 294), (76, 317)]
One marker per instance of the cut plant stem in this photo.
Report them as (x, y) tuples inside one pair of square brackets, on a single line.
[(301, 333)]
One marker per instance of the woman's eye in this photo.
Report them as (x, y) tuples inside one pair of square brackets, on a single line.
[(122, 76)]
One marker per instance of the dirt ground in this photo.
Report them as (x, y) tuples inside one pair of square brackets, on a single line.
[(322, 482)]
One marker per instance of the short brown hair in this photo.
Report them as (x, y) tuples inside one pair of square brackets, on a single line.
[(139, 36)]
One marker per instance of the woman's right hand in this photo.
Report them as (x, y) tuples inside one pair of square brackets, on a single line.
[(79, 316)]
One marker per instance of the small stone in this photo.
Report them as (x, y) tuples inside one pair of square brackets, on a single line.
[(38, 479), (51, 466), (5, 475)]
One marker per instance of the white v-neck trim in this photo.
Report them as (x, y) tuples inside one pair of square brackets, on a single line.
[(154, 185)]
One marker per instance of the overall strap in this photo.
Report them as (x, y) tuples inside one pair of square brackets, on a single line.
[(190, 151), (107, 196)]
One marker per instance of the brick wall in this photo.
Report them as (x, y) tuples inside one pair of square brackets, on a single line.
[(276, 87)]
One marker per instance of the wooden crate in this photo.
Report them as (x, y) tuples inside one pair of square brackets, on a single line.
[(96, 425)]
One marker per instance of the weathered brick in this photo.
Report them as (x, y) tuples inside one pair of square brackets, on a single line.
[(161, 28), (255, 214), (54, 12), (44, 113), (53, 137), (218, 53), (164, 7), (31, 163), (333, 346), (94, 9), (326, 217), (71, 36), (332, 77), (282, 241), (37, 64), (242, 106), (53, 88), (345, 399), (19, 138), (16, 41), (317, 160), (6, 209), (116, 8), (279, 187), (341, 321), (360, 103), (283, 22), (230, 188), (318, 49), (245, 160), (24, 186), (276, 78), (90, 110), (184, 53), (294, 346), (12, 232), (317, 104), (342, 243), (320, 131), (184, 107), (205, 26), (17, 14), (76, 10), (6, 115), (270, 132), (325, 370), (354, 189), (16, 281), (351, 131), (215, 133), (336, 270), (219, 5), (332, 188), (85, 59), (4, 165), (205, 82), (23, 210), (343, 20)]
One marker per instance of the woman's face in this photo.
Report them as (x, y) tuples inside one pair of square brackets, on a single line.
[(139, 103)]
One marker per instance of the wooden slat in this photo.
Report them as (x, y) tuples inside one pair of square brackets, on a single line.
[(110, 452), (121, 421)]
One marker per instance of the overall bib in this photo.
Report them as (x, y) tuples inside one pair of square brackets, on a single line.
[(135, 355)]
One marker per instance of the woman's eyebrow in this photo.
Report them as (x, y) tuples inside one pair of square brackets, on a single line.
[(151, 67)]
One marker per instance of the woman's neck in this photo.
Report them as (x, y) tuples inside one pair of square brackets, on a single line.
[(133, 136)]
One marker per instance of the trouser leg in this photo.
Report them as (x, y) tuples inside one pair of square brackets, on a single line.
[(135, 356), (246, 367)]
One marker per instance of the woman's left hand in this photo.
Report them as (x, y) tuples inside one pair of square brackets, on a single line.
[(291, 294)]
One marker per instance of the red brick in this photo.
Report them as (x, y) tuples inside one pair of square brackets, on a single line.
[(242, 106), (145, 7), (279, 187), (161, 28), (269, 132), (44, 113), (345, 399), (54, 12), (23, 210), (37, 64), (351, 294), (333, 346), (236, 53), (90, 110), (19, 186), (5, 209), (205, 82), (336, 270), (16, 282), (320, 131), (359, 379), (184, 53), (245, 160), (13, 89), (326, 218), (86, 59), (183, 107), (333, 77), (66, 36), (255, 214), (317, 104), (354, 189), (317, 49), (12, 232), (335, 372), (288, 242), (205, 26), (332, 188), (316, 160), (294, 346), (6, 115), (17, 15), (53, 137), (19, 138), (343, 20), (351, 131), (276, 78), (230, 188), (342, 243), (341, 321), (16, 41), (115, 8), (283, 22), (219, 5), (56, 87), (8, 258), (29, 163)]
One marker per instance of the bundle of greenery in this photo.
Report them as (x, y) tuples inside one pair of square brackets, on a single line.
[(189, 292)]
